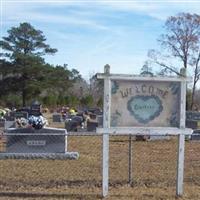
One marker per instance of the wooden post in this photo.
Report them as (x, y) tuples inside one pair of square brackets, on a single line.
[(106, 124), (130, 161), (180, 165), (181, 143)]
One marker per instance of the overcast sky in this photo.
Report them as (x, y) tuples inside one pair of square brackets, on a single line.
[(90, 34)]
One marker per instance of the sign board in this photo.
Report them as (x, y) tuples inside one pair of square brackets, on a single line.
[(145, 103), (138, 105)]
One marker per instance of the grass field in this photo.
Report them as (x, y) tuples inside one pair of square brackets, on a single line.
[(154, 172)]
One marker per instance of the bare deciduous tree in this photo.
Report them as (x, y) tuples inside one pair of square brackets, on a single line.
[(181, 41)]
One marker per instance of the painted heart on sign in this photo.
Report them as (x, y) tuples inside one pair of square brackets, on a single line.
[(145, 108)]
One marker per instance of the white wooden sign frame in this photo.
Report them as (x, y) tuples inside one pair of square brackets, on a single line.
[(180, 131)]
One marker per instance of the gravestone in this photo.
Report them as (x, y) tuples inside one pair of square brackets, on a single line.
[(196, 135), (91, 126), (21, 114), (57, 117), (14, 115), (10, 116), (10, 119), (193, 115), (71, 125), (36, 108), (2, 123), (29, 140), (9, 124), (193, 119), (194, 124), (100, 120)]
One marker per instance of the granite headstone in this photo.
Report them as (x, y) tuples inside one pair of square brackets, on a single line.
[(29, 140), (57, 118)]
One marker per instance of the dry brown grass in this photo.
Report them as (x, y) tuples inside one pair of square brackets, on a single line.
[(154, 172)]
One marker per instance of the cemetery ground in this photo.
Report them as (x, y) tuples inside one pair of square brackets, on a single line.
[(154, 172)]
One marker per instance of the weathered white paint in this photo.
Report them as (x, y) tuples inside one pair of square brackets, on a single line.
[(145, 103), (143, 78), (106, 124), (180, 165), (107, 130), (183, 104), (145, 131), (130, 161), (181, 143)]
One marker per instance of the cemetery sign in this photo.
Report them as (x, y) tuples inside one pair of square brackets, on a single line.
[(143, 105)]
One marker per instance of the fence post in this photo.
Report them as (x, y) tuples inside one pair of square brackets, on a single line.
[(180, 165), (181, 142), (106, 124), (130, 166)]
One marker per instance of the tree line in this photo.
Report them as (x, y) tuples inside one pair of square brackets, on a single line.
[(24, 74)]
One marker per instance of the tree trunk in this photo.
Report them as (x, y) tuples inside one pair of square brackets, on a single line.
[(196, 78), (193, 93), (23, 97), (24, 77), (185, 63)]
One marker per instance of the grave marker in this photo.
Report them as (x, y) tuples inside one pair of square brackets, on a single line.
[(57, 117), (29, 140)]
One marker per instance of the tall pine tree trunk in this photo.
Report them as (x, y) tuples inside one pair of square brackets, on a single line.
[(24, 90), (23, 97)]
